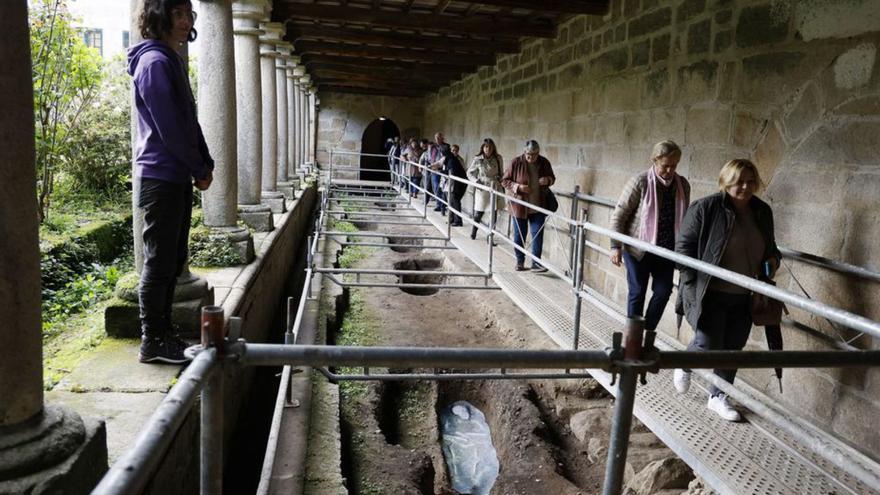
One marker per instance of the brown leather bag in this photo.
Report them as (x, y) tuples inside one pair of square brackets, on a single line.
[(765, 310)]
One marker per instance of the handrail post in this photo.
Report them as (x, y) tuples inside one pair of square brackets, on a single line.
[(623, 408), (211, 445), (577, 278), (330, 166), (571, 229), (491, 237)]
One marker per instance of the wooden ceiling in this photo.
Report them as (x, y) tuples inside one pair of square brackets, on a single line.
[(414, 47)]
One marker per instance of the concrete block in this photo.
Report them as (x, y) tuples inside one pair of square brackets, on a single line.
[(660, 48), (690, 8), (769, 153), (699, 36), (696, 82), (760, 25), (708, 125), (641, 53), (650, 22), (668, 123), (656, 89), (853, 68), (610, 62), (723, 40), (622, 94), (259, 221), (859, 107), (121, 318), (818, 20), (855, 420), (853, 143), (637, 127), (747, 129), (767, 76)]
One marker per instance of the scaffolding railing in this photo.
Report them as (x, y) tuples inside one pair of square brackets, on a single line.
[(629, 361)]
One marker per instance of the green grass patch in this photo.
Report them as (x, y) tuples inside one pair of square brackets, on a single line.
[(70, 341), (359, 328)]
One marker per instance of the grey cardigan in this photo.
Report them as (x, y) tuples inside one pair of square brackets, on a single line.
[(704, 234), (627, 215)]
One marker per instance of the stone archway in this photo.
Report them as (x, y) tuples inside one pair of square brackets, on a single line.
[(373, 142)]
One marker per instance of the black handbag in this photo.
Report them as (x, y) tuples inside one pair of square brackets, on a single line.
[(550, 202)]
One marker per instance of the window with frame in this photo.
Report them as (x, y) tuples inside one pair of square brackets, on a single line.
[(94, 38)]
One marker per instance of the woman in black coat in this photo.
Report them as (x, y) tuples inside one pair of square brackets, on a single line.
[(732, 229)]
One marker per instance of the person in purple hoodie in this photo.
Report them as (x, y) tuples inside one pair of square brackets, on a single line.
[(171, 157)]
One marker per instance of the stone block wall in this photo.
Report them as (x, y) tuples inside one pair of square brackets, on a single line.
[(343, 118), (794, 86)]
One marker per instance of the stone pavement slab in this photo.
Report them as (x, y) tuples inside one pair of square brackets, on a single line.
[(114, 367), (123, 413)]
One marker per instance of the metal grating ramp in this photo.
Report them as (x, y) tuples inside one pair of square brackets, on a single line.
[(734, 458), (753, 457)]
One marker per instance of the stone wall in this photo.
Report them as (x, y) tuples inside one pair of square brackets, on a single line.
[(343, 118), (793, 85)]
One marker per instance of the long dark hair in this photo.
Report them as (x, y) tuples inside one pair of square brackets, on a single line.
[(155, 21), (490, 143)]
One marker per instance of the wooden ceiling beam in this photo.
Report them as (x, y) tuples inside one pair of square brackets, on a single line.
[(374, 92), (591, 7), (348, 50), (332, 81), (378, 78), (284, 11), (297, 32), (375, 63), (393, 71)]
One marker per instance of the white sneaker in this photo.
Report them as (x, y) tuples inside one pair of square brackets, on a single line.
[(721, 407), (681, 379)]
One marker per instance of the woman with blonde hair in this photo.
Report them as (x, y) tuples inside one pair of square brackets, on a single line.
[(651, 208), (732, 229), (486, 169)]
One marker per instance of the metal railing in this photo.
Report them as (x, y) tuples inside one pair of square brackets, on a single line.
[(637, 357)]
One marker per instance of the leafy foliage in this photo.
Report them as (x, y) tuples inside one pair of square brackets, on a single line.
[(208, 248), (66, 76), (99, 167)]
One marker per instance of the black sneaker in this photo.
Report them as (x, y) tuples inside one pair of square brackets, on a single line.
[(166, 349), (539, 269), (520, 268)]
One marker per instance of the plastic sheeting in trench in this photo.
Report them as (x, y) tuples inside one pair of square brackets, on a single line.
[(467, 446)]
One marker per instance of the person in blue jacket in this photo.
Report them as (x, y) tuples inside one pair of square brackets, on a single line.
[(170, 158)]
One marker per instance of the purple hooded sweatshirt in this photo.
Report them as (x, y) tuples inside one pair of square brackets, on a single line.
[(170, 145)]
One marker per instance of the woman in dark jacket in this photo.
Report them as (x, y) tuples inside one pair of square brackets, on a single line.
[(452, 165), (170, 158), (732, 229)]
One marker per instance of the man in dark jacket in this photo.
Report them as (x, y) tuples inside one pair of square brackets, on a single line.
[(527, 179), (170, 157)]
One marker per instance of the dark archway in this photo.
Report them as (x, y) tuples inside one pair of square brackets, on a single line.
[(373, 142)]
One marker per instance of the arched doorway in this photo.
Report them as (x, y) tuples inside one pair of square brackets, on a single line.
[(373, 142)]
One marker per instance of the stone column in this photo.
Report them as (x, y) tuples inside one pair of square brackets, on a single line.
[(216, 106), (246, 15), (283, 183), (268, 53), (43, 449), (298, 74), (292, 165), (304, 83), (313, 123)]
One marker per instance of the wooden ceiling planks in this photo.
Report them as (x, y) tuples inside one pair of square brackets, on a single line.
[(413, 47)]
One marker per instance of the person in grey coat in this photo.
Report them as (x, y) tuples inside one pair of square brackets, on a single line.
[(732, 229), (651, 208)]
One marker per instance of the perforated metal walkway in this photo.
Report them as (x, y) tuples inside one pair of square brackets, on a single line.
[(752, 457)]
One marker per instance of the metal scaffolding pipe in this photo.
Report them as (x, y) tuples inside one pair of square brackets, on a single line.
[(376, 271), (419, 357)]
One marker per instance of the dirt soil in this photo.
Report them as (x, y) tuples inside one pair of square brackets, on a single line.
[(391, 436)]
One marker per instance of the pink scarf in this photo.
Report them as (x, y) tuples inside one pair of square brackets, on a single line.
[(648, 228)]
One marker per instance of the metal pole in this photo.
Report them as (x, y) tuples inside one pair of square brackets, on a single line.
[(620, 427), (572, 233), (491, 238), (576, 278), (623, 408), (211, 445)]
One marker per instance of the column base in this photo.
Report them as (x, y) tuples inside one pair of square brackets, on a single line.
[(287, 189), (274, 200), (257, 217), (240, 239), (122, 316), (56, 452)]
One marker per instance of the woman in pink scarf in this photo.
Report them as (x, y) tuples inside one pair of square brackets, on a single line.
[(651, 208)]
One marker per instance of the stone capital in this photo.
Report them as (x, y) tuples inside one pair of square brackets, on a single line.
[(298, 73), (274, 32), (251, 10)]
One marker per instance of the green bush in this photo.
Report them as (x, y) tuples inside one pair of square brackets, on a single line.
[(211, 249)]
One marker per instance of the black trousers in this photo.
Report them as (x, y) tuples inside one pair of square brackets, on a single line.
[(167, 211), (725, 324), (455, 196), (478, 217)]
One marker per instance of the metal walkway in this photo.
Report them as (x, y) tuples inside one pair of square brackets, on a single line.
[(751, 457)]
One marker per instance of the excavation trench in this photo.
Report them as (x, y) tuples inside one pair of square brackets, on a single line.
[(550, 436)]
